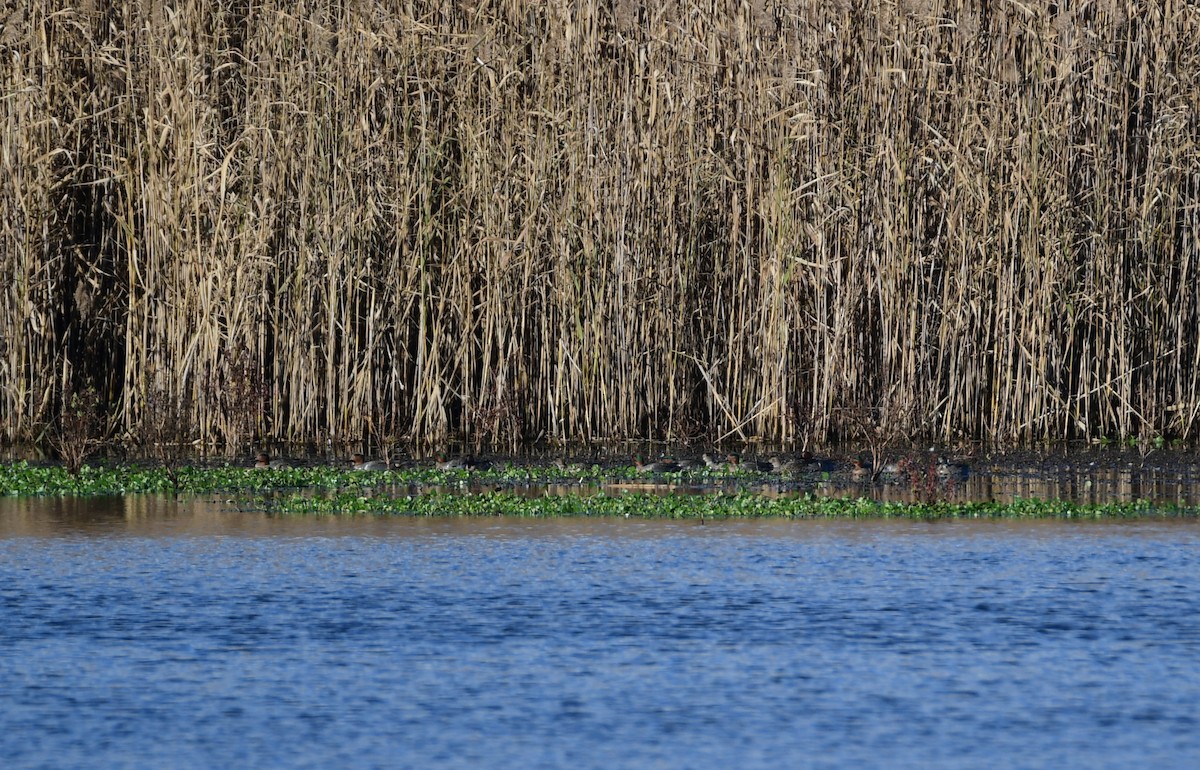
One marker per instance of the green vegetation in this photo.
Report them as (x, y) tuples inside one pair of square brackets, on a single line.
[(24, 479), (575, 220), (428, 492), (703, 507)]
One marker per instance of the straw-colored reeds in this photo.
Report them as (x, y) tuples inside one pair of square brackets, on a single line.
[(509, 219)]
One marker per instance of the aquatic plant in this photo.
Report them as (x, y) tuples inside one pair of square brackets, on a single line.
[(512, 491), (23, 479), (699, 507)]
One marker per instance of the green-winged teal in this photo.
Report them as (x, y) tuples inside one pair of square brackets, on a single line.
[(762, 466), (781, 464), (718, 463), (890, 469), (463, 463), (361, 463), (948, 469), (658, 466), (264, 461), (445, 463), (805, 463)]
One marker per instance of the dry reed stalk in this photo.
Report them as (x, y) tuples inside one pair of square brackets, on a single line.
[(513, 220)]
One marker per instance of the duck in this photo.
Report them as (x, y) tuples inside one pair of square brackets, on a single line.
[(717, 463), (891, 469), (761, 466), (784, 464), (658, 466), (811, 463), (573, 467), (463, 463), (947, 469), (805, 463), (264, 461), (360, 463)]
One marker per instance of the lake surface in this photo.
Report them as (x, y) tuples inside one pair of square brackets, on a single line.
[(141, 633)]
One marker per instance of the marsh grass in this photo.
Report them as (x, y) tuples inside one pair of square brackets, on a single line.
[(513, 220)]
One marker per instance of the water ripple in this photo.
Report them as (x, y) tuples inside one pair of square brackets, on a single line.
[(605, 646)]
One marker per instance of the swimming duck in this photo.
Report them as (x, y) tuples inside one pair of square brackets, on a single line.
[(805, 463), (784, 464), (719, 463), (264, 461), (951, 470), (811, 463), (659, 466), (360, 463), (762, 466), (463, 463)]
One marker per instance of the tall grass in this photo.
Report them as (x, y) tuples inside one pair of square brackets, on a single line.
[(570, 219)]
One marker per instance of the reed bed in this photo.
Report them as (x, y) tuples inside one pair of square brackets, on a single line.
[(509, 220)]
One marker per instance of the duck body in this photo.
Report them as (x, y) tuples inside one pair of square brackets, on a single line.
[(948, 469), (888, 470), (805, 463), (658, 466), (809, 463), (760, 466), (463, 463), (784, 464), (361, 463), (263, 461), (718, 463)]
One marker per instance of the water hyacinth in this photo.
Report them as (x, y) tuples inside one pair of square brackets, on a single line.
[(698, 507), (510, 490)]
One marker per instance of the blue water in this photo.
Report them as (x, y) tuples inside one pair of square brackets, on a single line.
[(202, 638)]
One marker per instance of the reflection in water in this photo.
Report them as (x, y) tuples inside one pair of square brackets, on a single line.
[(1081, 485), (1173, 485), (1090, 475)]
